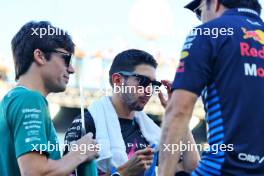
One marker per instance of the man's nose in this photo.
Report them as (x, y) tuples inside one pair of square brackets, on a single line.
[(70, 69)]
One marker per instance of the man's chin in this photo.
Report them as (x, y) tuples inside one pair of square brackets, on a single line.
[(59, 89), (139, 108)]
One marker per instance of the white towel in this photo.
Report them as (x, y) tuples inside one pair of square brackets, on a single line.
[(108, 133)]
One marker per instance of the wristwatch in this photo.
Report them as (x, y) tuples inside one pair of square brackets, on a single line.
[(115, 174)]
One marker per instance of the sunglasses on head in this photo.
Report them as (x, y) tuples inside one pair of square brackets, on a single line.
[(65, 56), (142, 80)]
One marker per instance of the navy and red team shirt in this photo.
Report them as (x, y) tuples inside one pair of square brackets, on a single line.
[(228, 72)]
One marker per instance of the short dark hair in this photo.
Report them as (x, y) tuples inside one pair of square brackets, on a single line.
[(129, 59), (29, 38)]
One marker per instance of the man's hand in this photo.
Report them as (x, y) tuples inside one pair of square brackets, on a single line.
[(167, 85), (34, 163), (89, 151), (139, 162)]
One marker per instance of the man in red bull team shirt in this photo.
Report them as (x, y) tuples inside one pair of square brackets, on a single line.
[(228, 73)]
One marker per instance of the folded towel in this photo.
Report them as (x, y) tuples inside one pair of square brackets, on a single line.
[(108, 133)]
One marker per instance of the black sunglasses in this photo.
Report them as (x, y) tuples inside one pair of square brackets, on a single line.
[(142, 80), (65, 56)]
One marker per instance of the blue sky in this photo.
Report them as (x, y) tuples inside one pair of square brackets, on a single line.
[(99, 23), (103, 24)]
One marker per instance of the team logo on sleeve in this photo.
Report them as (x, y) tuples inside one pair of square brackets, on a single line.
[(184, 54), (188, 42), (257, 35), (180, 68)]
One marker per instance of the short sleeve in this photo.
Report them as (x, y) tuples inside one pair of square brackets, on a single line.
[(28, 122), (194, 70)]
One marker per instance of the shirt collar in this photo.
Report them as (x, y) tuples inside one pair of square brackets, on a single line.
[(243, 11)]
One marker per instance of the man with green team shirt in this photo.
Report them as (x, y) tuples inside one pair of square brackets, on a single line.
[(29, 146)]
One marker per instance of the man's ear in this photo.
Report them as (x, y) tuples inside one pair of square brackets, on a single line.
[(39, 57), (116, 79)]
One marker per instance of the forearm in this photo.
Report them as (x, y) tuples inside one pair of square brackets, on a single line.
[(174, 132), (191, 156), (64, 166), (122, 171), (36, 164)]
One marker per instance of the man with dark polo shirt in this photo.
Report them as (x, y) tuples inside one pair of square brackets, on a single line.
[(227, 72)]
